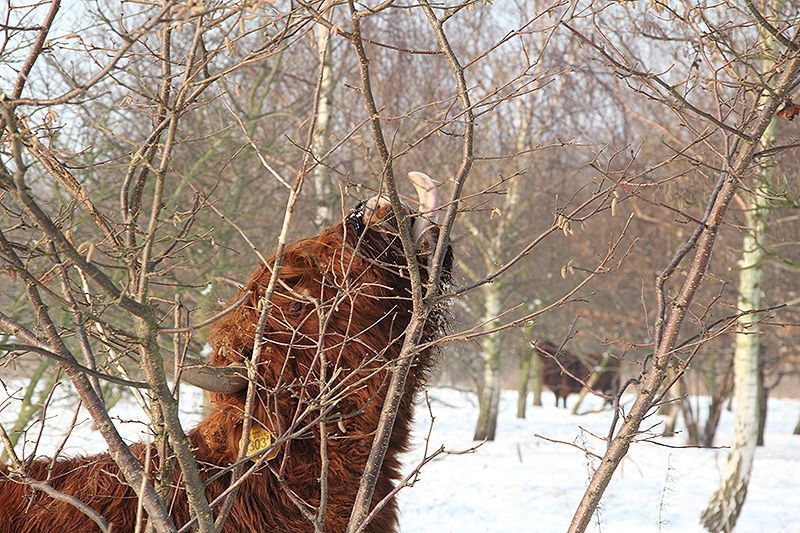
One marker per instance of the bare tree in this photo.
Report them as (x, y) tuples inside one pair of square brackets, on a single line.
[(726, 503), (754, 118), (152, 153), (322, 128)]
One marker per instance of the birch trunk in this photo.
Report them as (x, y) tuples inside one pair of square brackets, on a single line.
[(489, 399), (489, 396), (726, 503), (321, 178)]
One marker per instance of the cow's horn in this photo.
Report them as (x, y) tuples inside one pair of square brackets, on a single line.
[(224, 379), (428, 203)]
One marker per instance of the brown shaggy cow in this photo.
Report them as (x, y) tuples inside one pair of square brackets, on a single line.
[(558, 367), (356, 272), (561, 367)]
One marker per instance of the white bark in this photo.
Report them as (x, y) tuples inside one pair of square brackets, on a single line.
[(726, 503), (489, 401), (323, 188)]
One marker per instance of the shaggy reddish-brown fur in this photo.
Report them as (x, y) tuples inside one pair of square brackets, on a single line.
[(356, 273), (555, 362)]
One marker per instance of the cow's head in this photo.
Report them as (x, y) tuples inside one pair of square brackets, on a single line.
[(336, 318)]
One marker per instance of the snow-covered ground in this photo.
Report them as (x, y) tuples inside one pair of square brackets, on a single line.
[(521, 482)]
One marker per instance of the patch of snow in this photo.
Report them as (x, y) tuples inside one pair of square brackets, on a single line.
[(521, 482)]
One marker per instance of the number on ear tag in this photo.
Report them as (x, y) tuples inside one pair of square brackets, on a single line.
[(260, 439)]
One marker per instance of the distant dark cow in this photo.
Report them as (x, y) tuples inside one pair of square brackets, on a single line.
[(560, 368)]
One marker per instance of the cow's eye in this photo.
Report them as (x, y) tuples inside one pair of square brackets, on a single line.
[(295, 308)]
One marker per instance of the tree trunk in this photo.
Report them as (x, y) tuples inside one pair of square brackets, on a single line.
[(535, 371), (323, 188), (525, 361), (726, 504), (30, 407), (712, 422), (536, 382), (489, 399), (763, 394), (723, 392), (598, 371), (671, 421), (669, 409), (690, 417), (797, 427)]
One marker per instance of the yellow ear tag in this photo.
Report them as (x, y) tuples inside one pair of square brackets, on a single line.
[(260, 439)]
